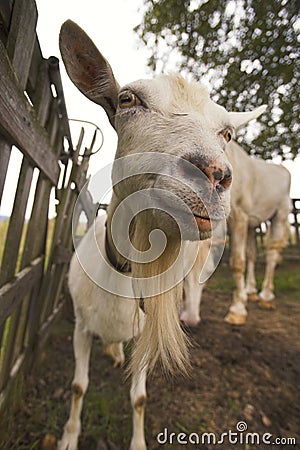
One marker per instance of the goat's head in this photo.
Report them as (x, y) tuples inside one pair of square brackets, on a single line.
[(166, 116)]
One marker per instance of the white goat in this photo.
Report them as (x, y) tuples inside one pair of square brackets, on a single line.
[(185, 134), (259, 192)]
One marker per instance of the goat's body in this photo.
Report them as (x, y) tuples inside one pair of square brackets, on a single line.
[(102, 313), (260, 189), (112, 318)]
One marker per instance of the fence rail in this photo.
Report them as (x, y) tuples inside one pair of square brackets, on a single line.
[(34, 260)]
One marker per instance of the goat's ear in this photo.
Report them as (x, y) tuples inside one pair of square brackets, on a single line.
[(238, 119), (87, 68)]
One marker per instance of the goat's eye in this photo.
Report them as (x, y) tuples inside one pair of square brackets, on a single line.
[(227, 134), (128, 99)]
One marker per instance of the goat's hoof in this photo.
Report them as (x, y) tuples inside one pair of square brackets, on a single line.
[(267, 305), (65, 446), (49, 442), (253, 297), (188, 321), (68, 442), (235, 319)]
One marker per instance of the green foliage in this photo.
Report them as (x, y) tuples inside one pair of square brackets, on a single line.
[(247, 49)]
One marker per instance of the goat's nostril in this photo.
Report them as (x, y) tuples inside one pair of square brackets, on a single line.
[(218, 174), (227, 179)]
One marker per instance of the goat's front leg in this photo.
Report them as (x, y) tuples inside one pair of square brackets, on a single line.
[(192, 288), (237, 312), (190, 315), (251, 258), (82, 342), (138, 398)]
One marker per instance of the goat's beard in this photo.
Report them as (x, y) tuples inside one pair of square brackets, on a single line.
[(152, 220), (162, 336)]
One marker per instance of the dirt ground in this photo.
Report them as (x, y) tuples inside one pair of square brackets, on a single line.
[(240, 374)]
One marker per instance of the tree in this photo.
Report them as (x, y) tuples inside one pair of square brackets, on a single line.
[(247, 49)]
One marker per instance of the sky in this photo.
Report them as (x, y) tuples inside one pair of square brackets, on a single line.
[(110, 24)]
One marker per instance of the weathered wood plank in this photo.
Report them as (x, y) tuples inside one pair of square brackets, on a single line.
[(12, 293), (5, 394), (54, 74), (48, 324), (41, 95), (35, 242), (34, 73), (5, 13), (5, 150), (13, 238), (21, 38), (62, 255), (18, 122), (49, 288)]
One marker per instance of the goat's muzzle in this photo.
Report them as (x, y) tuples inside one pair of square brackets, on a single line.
[(207, 181), (219, 175)]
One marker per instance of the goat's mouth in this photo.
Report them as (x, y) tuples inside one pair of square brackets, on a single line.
[(204, 224)]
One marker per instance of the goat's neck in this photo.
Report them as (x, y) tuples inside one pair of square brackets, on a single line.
[(142, 225), (114, 203)]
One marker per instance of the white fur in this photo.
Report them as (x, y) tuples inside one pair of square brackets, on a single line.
[(174, 117), (260, 192)]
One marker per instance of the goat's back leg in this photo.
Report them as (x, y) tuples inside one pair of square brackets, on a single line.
[(82, 342), (115, 350), (251, 259), (138, 397), (277, 241)]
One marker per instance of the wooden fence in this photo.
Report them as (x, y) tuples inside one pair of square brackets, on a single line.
[(34, 262), (295, 222)]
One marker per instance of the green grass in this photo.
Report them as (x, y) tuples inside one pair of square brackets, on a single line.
[(3, 232), (222, 279), (286, 279), (233, 405), (288, 282)]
